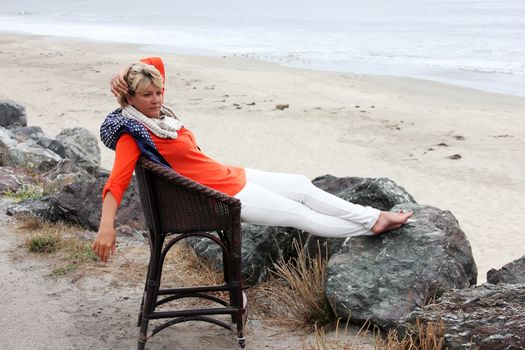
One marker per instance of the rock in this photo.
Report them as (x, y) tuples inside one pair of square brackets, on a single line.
[(27, 154), (12, 115), (380, 193), (81, 146), (81, 203), (282, 106), (12, 179), (383, 278), (27, 132), (261, 247), (45, 141), (513, 272), (485, 317), (62, 174)]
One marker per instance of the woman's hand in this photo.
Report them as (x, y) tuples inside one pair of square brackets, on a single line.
[(105, 243), (118, 84), (106, 238)]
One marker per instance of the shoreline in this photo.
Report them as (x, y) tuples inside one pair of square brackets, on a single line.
[(488, 82), (338, 123)]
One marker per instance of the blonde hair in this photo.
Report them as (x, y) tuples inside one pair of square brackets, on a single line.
[(139, 76)]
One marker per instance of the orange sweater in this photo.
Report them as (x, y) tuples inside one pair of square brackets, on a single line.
[(184, 157)]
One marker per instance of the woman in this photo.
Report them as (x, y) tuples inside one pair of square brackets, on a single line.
[(145, 126)]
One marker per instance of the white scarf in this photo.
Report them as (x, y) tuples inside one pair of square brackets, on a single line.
[(165, 126)]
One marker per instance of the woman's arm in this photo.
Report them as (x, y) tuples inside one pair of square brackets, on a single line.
[(126, 156), (118, 84), (105, 240)]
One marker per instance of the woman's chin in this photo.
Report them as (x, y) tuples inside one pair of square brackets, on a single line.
[(152, 114)]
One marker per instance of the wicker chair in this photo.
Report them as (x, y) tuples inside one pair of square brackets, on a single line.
[(176, 208)]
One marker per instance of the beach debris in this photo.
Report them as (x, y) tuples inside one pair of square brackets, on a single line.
[(459, 137), (357, 106), (362, 111), (282, 106), (442, 144), (501, 136), (250, 104), (455, 156), (372, 106), (382, 279), (212, 87)]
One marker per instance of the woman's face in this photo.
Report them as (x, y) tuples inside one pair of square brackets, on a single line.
[(148, 101)]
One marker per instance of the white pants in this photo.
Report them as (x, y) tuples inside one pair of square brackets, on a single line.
[(289, 200)]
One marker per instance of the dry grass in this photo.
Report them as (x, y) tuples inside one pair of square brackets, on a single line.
[(423, 336), (337, 340), (182, 264), (57, 238), (303, 293)]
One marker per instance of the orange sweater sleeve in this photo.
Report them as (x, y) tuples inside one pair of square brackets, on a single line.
[(126, 155)]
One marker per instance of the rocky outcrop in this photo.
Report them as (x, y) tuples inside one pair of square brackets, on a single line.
[(81, 203), (513, 272), (383, 278), (26, 154), (12, 115), (380, 193), (81, 146), (12, 179), (262, 246), (64, 173), (486, 317)]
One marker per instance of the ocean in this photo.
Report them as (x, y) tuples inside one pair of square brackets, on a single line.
[(472, 43)]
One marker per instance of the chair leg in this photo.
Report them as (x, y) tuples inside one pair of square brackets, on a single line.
[(151, 236), (150, 298)]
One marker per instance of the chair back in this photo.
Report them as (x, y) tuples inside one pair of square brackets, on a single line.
[(173, 203)]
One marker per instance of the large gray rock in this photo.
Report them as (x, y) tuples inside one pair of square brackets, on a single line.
[(12, 115), (81, 203), (27, 154), (380, 193), (486, 317), (62, 174), (27, 132), (513, 272), (262, 246), (81, 146), (382, 278)]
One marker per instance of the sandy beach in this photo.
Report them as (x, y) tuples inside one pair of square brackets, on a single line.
[(454, 148)]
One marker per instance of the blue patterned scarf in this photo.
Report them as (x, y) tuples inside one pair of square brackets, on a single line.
[(116, 124)]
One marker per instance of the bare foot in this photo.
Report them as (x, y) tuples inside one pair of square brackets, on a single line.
[(388, 221)]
